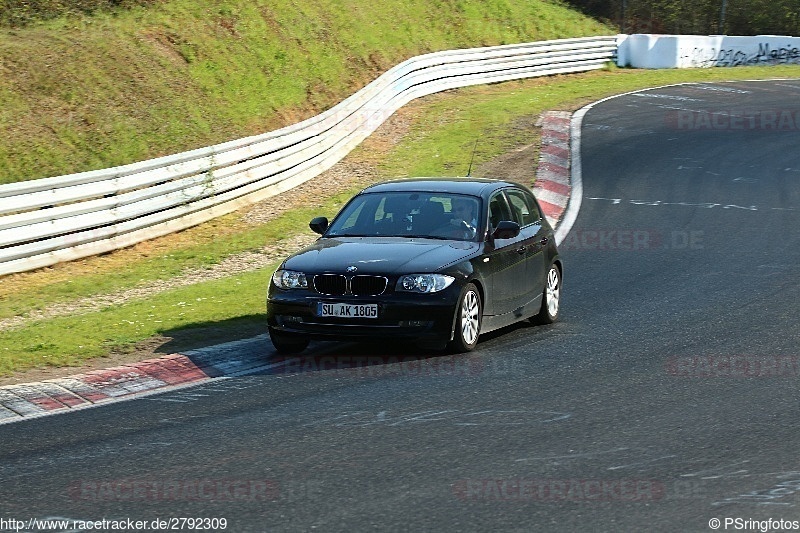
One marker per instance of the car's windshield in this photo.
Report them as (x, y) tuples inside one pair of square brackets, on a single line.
[(409, 214)]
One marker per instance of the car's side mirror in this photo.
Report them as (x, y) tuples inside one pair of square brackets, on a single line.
[(319, 225), (506, 229)]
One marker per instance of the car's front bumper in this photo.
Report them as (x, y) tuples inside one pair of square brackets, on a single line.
[(422, 317)]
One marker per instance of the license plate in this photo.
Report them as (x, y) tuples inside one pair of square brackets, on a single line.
[(347, 310)]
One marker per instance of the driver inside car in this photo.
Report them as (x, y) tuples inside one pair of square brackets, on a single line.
[(465, 217)]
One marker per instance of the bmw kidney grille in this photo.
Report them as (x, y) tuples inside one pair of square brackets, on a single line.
[(337, 285)]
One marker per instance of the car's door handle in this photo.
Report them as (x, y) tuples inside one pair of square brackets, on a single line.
[(544, 241), (521, 250)]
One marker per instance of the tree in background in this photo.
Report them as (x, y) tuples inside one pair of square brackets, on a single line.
[(699, 17)]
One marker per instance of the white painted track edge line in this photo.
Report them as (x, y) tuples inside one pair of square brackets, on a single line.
[(576, 168), (576, 181)]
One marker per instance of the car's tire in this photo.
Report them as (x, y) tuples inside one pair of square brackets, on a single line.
[(468, 320), (551, 297), (287, 343)]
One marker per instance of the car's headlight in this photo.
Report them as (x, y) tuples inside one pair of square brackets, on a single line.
[(424, 282), (289, 279)]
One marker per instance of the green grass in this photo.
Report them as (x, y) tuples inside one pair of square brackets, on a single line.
[(87, 92), (439, 143), (68, 341)]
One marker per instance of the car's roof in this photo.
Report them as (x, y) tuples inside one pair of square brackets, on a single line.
[(467, 185)]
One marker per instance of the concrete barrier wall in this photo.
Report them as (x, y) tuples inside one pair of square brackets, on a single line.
[(699, 51)]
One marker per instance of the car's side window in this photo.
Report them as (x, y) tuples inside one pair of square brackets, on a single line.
[(535, 213), (498, 210), (523, 207)]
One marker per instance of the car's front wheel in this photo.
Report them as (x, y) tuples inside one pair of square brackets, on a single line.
[(551, 297), (287, 343), (468, 320)]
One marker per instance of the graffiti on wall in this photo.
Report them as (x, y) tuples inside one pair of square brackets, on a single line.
[(734, 57)]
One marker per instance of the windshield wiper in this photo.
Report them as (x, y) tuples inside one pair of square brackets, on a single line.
[(403, 236), (437, 237)]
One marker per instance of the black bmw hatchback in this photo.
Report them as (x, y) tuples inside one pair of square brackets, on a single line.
[(436, 261)]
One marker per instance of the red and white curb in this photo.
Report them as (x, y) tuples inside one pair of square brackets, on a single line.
[(552, 186), (162, 374), (239, 358), (98, 386)]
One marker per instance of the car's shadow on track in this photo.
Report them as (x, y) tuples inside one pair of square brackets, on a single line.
[(202, 335), (241, 347), (394, 358)]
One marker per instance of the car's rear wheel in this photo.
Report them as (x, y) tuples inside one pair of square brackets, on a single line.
[(287, 343), (468, 320), (551, 297)]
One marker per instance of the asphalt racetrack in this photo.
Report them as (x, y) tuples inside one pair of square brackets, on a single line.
[(666, 397)]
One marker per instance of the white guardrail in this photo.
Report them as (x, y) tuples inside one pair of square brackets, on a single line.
[(50, 220)]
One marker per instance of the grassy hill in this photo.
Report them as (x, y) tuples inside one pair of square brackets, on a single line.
[(122, 85)]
